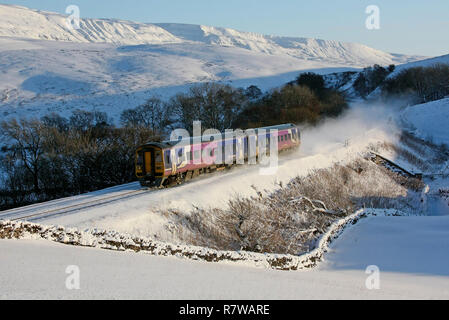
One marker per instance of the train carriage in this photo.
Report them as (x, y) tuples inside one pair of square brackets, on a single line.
[(172, 162)]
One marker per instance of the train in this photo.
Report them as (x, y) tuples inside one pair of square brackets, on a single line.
[(168, 163)]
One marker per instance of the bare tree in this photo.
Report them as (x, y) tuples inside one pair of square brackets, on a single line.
[(154, 115), (28, 139), (215, 105)]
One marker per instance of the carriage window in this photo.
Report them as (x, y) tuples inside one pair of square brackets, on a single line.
[(197, 154), (189, 155), (282, 138), (289, 136), (167, 157)]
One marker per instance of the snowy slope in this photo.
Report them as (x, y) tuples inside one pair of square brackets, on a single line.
[(16, 21), (304, 48), (51, 76), (412, 245), (429, 120), (422, 63)]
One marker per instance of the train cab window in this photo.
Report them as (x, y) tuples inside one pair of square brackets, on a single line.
[(179, 153), (158, 156)]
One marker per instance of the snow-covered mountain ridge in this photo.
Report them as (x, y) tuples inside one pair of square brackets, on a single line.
[(26, 23)]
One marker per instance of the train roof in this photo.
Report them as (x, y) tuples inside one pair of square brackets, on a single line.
[(279, 127), (169, 143)]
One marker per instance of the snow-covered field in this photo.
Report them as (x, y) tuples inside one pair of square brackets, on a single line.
[(399, 246)]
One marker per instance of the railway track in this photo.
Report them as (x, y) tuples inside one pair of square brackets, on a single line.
[(45, 204), (29, 213), (381, 160)]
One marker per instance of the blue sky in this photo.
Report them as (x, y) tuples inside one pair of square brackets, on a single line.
[(412, 27)]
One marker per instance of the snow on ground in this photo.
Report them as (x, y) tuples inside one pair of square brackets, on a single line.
[(36, 269), (429, 120), (408, 245)]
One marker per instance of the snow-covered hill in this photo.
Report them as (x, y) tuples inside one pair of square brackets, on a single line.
[(344, 81), (429, 120), (111, 65), (303, 48), (21, 22), (421, 63), (16, 21)]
